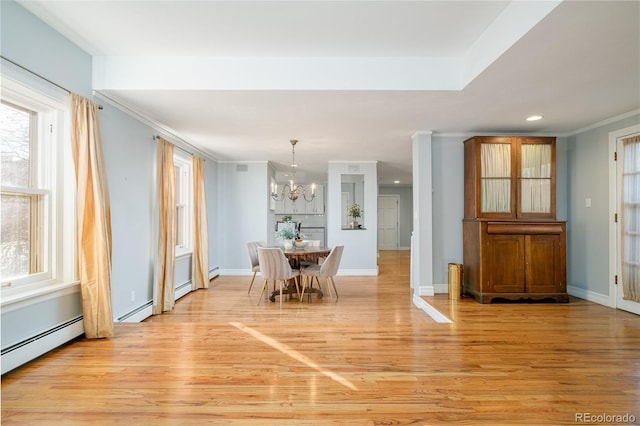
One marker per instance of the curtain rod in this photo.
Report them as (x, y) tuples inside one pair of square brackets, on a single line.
[(178, 146), (39, 76)]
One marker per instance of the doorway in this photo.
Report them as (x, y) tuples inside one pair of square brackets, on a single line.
[(626, 286), (388, 218)]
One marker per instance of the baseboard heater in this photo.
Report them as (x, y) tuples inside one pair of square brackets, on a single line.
[(138, 314), (22, 352), (214, 272), (183, 289)]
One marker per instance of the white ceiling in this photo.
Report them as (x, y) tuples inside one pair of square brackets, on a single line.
[(354, 80)]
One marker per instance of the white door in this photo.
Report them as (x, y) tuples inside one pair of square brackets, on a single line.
[(628, 229), (388, 222)]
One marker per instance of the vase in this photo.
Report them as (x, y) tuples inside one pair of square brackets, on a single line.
[(288, 244), (354, 224)]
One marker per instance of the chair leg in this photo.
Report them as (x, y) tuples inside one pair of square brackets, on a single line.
[(281, 284), (304, 285), (329, 287), (333, 283), (252, 279), (264, 286), (295, 280)]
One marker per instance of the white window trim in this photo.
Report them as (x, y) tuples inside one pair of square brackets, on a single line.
[(183, 162), (25, 90)]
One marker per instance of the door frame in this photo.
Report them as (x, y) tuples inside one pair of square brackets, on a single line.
[(615, 291)]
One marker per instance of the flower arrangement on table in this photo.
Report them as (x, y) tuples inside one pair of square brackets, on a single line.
[(354, 212), (287, 233), (288, 236)]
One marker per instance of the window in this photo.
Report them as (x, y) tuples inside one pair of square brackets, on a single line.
[(35, 158), (23, 199), (184, 202), (631, 218)]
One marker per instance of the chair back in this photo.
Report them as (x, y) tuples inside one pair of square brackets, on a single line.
[(330, 266), (313, 243), (274, 264), (252, 248)]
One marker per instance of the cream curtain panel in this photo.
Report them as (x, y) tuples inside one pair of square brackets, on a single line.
[(164, 283), (496, 177), (93, 213), (631, 219), (200, 257)]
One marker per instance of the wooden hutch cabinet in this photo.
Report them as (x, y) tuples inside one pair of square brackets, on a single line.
[(514, 248)]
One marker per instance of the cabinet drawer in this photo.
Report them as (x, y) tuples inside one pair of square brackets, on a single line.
[(516, 228)]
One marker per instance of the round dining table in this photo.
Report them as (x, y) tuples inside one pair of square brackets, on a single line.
[(296, 256)]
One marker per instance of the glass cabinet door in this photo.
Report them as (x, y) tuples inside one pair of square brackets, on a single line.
[(495, 178), (536, 179)]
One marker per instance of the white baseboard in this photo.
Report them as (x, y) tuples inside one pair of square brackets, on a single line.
[(426, 290), (358, 272), (139, 314), (441, 288), (236, 272), (31, 348), (589, 295), (184, 289), (430, 310)]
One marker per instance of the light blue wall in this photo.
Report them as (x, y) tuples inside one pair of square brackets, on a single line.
[(405, 213), (130, 156), (244, 211), (130, 159), (36, 46), (360, 246), (588, 228), (447, 164), (212, 194)]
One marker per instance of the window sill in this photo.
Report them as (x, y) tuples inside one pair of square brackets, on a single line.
[(18, 298), (182, 253)]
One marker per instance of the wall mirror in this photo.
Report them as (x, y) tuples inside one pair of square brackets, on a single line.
[(352, 188)]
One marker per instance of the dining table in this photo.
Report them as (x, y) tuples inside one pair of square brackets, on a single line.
[(295, 256)]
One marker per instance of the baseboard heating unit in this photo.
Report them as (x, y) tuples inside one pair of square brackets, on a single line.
[(31, 348)]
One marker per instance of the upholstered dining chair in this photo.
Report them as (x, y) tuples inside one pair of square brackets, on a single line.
[(327, 270), (252, 248), (275, 267)]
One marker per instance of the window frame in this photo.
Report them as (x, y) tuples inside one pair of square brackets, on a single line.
[(55, 174), (183, 166)]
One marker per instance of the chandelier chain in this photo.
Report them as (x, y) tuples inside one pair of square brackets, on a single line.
[(292, 190)]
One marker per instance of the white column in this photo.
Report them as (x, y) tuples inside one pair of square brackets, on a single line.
[(422, 247)]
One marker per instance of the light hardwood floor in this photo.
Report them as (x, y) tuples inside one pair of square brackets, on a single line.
[(372, 357)]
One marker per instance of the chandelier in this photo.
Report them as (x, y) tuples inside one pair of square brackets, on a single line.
[(292, 190)]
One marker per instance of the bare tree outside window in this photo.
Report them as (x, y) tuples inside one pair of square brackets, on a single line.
[(19, 207)]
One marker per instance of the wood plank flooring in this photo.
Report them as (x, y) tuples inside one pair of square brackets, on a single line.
[(369, 358)]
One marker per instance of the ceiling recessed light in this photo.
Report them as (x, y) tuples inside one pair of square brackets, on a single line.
[(396, 181), (534, 118)]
